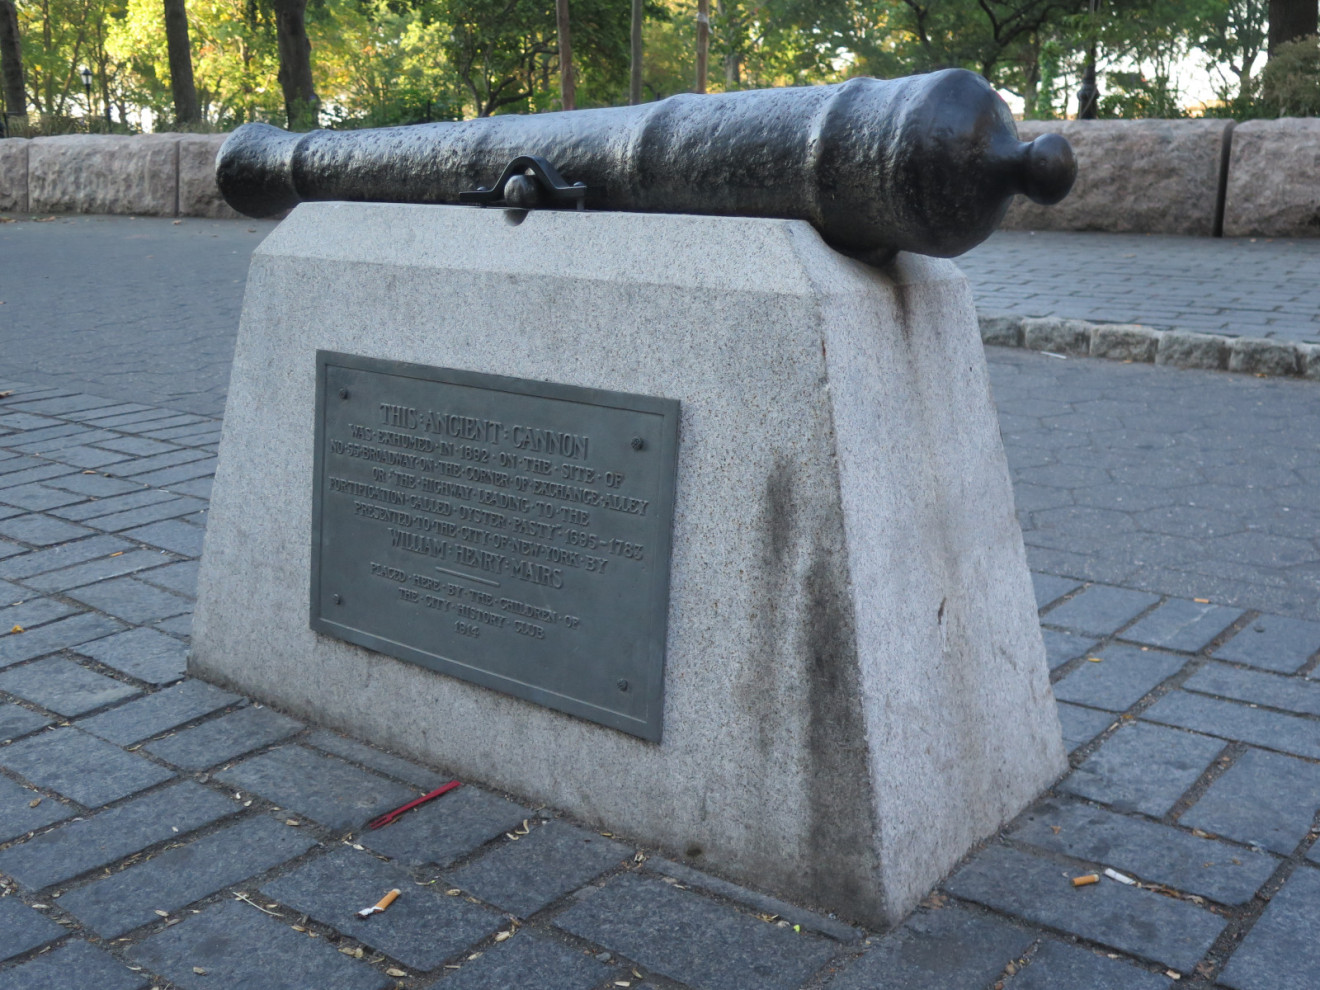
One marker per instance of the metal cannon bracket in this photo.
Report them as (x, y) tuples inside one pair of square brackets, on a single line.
[(526, 182)]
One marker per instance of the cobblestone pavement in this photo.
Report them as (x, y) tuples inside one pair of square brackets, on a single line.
[(156, 831), (146, 308), (1238, 287)]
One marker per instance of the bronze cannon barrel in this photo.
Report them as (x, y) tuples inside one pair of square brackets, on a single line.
[(924, 163)]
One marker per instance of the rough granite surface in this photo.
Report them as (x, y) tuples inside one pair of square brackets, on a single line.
[(107, 173), (1274, 179), (839, 460)]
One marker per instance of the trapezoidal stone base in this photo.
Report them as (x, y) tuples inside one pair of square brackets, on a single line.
[(855, 690)]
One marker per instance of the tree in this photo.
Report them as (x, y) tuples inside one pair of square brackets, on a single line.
[(1290, 20), (301, 103), (567, 89), (11, 62), (1232, 33), (181, 69)]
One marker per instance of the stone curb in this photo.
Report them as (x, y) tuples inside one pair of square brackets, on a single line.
[(1133, 342)]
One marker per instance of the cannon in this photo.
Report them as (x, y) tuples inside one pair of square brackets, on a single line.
[(925, 163)]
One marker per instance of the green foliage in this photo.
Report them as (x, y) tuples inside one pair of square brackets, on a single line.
[(1290, 83)]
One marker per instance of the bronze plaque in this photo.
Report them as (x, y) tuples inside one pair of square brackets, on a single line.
[(509, 532)]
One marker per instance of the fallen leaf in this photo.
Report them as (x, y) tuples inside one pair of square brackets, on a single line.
[(298, 928), (176, 223), (292, 821), (395, 972), (1056, 829), (1095, 659), (1201, 601), (163, 914), (17, 629), (199, 971), (34, 802), (501, 936), (117, 553), (453, 892)]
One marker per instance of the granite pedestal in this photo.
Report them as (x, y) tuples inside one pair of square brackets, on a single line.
[(855, 689)]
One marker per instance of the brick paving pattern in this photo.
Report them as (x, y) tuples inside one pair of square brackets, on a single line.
[(159, 832)]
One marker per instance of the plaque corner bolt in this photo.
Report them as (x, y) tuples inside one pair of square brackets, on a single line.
[(638, 443), (337, 599), (621, 684), (343, 393)]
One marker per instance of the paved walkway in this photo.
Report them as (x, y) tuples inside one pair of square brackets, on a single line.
[(159, 832), (1237, 287)]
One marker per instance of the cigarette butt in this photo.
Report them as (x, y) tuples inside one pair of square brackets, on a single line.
[(1122, 878), (1083, 881), (381, 904)]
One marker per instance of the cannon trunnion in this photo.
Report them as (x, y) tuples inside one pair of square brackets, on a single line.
[(925, 163)]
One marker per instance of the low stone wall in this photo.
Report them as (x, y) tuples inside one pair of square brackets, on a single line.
[(1133, 176), (160, 175), (1197, 177)]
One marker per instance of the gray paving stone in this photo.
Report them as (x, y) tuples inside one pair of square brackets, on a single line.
[(99, 416), (524, 876), (1130, 919), (24, 928), (34, 612), (323, 788), (17, 816), (1263, 799), (64, 404), (1271, 641), (1184, 625), (158, 712), (168, 477), (1057, 966), (1124, 675), (424, 927), (530, 960), (63, 687), (375, 759), (135, 498), (44, 471), (1293, 694), (145, 654), (81, 767), (1158, 853), (1100, 610), (240, 947), (76, 965), (761, 903), (688, 938), (95, 570), (137, 446), (64, 555), (73, 849), (1081, 725), (223, 739), (11, 593), (176, 877), (142, 465), (447, 828), (179, 505), (97, 485), (131, 600), (1241, 723), (17, 721), (9, 512), (200, 487), (37, 497), (61, 634), (1281, 951), (937, 950), (180, 577), (1060, 647), (180, 625), (88, 457), (8, 549), (1143, 768), (41, 531), (180, 537)]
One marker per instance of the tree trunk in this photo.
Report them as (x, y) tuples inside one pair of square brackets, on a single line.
[(11, 61), (300, 100), (635, 79), (703, 43), (1290, 20), (567, 85), (181, 70)]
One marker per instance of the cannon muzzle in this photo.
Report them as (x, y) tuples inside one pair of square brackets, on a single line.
[(925, 163)]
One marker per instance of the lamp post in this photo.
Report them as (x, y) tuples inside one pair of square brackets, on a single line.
[(86, 74), (1088, 94)]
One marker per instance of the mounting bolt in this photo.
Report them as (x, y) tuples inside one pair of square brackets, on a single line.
[(337, 599), (343, 393), (621, 684), (638, 443)]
